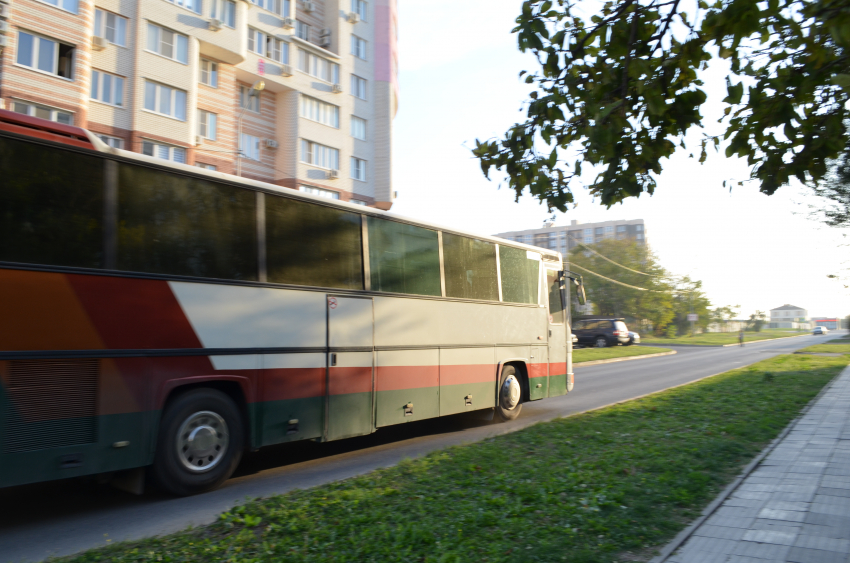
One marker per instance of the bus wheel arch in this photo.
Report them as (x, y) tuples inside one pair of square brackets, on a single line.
[(512, 390), (201, 437)]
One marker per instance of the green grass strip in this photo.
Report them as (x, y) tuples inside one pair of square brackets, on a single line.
[(609, 485), (593, 354), (718, 338), (837, 346)]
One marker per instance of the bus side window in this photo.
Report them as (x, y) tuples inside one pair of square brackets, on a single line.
[(520, 275), (403, 258), (309, 244), (51, 206), (556, 306), (470, 266), (173, 224)]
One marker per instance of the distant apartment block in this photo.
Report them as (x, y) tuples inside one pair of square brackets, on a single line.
[(565, 238), (173, 79), (789, 316)]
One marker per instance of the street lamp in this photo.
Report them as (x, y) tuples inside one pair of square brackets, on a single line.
[(255, 90)]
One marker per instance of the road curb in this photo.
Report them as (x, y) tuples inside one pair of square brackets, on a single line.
[(723, 345), (686, 534), (766, 340), (623, 359)]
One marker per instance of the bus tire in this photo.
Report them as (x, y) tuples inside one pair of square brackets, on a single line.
[(201, 437), (509, 398)]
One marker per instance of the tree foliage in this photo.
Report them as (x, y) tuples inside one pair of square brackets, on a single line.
[(836, 191), (619, 92), (722, 315), (659, 307)]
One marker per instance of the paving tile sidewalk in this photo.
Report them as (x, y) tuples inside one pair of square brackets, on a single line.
[(795, 506)]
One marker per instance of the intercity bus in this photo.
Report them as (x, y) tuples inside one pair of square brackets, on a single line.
[(159, 319)]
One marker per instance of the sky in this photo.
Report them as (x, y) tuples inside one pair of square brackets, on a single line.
[(458, 72)]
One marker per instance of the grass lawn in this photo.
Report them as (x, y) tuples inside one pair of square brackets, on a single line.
[(836, 346), (590, 354), (609, 485), (719, 338)]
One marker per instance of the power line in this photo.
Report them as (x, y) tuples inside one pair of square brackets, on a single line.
[(616, 264), (573, 264)]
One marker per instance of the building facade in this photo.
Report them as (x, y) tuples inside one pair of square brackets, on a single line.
[(565, 238), (173, 79), (789, 316), (830, 323)]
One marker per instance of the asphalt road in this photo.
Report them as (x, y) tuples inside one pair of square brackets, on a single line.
[(64, 517)]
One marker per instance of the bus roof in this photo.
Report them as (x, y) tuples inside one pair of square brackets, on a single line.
[(78, 137)]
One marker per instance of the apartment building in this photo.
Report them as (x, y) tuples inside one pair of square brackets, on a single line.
[(565, 238), (301, 94), (789, 316)]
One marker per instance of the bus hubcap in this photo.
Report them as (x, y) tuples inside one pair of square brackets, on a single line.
[(202, 441), (510, 394)]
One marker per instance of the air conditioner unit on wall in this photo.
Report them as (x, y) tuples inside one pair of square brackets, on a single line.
[(271, 144), (214, 25), (4, 26), (336, 88), (308, 6), (286, 70), (198, 139), (99, 43), (4, 42), (288, 23), (333, 174), (353, 17), (4, 10)]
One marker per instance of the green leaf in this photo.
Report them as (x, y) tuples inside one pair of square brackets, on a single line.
[(842, 80)]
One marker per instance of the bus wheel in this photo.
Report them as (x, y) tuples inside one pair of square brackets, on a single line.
[(510, 394), (200, 442)]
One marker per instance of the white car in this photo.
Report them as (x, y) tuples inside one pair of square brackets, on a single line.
[(820, 330)]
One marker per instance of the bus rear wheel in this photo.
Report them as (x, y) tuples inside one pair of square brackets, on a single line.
[(200, 442), (509, 402)]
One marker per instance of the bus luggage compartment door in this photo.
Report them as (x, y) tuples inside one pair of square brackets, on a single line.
[(350, 380)]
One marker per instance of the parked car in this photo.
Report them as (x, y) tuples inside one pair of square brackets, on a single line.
[(820, 330), (634, 338), (601, 332), (575, 340)]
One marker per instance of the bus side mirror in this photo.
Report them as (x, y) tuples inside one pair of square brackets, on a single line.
[(582, 298)]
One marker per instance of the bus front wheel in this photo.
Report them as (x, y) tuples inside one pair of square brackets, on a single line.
[(200, 442), (510, 394)]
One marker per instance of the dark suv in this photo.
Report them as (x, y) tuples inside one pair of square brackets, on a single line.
[(601, 332)]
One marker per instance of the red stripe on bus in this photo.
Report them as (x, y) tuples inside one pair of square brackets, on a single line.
[(537, 370), (293, 383), (134, 314), (350, 380), (456, 375), (397, 378), (558, 368)]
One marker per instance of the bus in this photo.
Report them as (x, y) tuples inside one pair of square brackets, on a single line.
[(159, 319)]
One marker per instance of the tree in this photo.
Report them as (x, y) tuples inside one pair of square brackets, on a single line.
[(654, 307), (690, 299), (621, 91), (757, 321), (722, 315)]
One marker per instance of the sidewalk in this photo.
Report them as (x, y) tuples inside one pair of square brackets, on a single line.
[(795, 505)]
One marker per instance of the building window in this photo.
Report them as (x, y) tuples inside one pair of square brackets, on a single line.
[(317, 110), (207, 124), (588, 240), (194, 5), (165, 152), (224, 10), (113, 142), (247, 101), (358, 202), (358, 128), (43, 112), (110, 26), (165, 100), (358, 47), (209, 73), (280, 7), (302, 30), (267, 46), (249, 146), (330, 194), (205, 166), (45, 54), (359, 8), (167, 43), (621, 228), (358, 86), (638, 227), (358, 169), (315, 65), (68, 5), (640, 236), (107, 88), (319, 155)]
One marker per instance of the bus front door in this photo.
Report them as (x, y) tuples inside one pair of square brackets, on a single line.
[(350, 375)]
